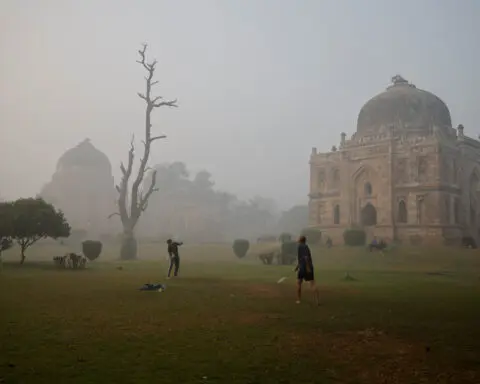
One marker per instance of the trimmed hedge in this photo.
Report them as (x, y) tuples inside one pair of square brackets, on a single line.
[(314, 236), (285, 237), (92, 249), (354, 237), (240, 247)]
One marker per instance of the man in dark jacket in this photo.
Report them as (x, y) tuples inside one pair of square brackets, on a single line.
[(174, 257), (305, 270)]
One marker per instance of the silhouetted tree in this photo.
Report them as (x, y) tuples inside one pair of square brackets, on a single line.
[(35, 219), (6, 227), (132, 205), (294, 220)]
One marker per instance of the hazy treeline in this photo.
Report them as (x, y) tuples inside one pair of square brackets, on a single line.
[(189, 207)]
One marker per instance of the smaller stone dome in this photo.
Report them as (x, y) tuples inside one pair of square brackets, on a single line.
[(85, 155), (402, 102)]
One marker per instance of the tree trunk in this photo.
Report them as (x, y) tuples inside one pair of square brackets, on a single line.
[(128, 250), (22, 256)]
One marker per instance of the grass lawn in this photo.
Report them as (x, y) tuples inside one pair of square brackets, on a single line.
[(411, 316)]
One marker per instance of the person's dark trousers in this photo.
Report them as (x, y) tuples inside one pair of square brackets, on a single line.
[(174, 262)]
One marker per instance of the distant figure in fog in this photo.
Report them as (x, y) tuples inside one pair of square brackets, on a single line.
[(174, 257), (304, 269)]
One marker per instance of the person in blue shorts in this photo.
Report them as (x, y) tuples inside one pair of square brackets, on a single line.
[(304, 269)]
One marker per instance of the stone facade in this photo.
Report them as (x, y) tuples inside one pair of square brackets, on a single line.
[(405, 174), (83, 188)]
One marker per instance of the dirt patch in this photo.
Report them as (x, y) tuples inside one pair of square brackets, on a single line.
[(263, 290), (372, 356)]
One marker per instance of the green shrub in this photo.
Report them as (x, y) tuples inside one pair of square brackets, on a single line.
[(314, 236), (354, 237), (284, 237), (288, 253), (92, 249), (240, 247)]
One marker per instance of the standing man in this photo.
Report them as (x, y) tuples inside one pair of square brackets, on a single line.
[(174, 257), (304, 270)]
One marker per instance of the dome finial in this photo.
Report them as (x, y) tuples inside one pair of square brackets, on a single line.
[(397, 79)]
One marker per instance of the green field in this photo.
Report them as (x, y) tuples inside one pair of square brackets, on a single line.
[(411, 316)]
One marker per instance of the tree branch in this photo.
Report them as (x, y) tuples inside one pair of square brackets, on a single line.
[(157, 138), (113, 214), (144, 201), (123, 187), (172, 104)]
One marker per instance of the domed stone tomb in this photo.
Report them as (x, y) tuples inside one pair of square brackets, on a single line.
[(403, 103), (405, 174), (83, 188)]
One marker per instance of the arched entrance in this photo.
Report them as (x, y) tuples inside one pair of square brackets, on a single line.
[(402, 214), (368, 215)]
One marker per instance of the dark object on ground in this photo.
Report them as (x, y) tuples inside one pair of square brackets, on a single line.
[(267, 258), (314, 236), (70, 260), (348, 277), (354, 237), (91, 249), (288, 253), (240, 247), (469, 242), (152, 287)]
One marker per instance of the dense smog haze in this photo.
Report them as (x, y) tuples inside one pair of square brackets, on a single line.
[(258, 85)]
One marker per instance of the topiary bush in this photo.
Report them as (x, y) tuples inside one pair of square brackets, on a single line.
[(284, 237), (354, 237), (92, 249), (314, 236), (288, 253), (240, 247)]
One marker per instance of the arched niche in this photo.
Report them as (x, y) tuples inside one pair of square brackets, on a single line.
[(368, 215), (336, 214), (402, 213)]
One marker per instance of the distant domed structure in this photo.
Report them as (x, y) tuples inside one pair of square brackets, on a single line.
[(83, 188), (406, 174), (84, 155), (403, 103)]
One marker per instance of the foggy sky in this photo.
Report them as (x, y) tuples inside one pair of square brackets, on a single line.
[(259, 82)]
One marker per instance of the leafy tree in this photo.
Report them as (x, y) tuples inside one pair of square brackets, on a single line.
[(294, 220), (35, 219), (6, 227), (132, 202)]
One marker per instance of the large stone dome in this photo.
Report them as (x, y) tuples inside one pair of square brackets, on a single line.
[(85, 155), (403, 103)]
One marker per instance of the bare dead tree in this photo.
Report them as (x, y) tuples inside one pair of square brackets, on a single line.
[(131, 206)]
